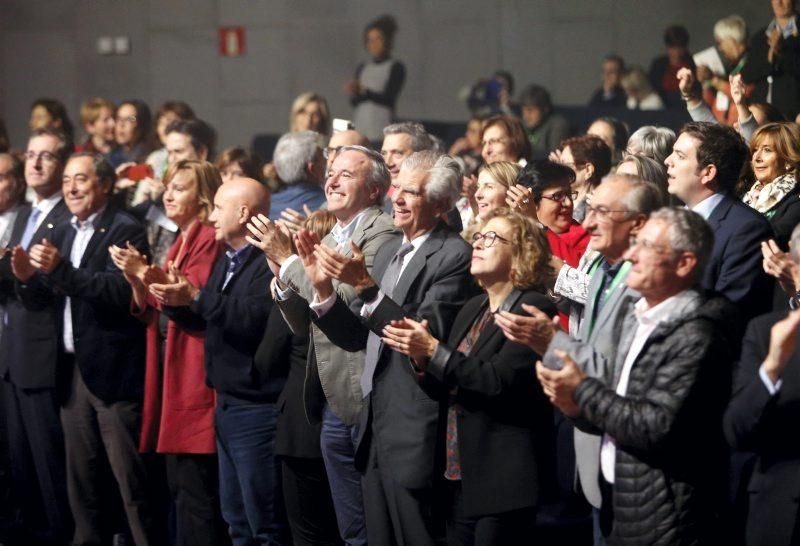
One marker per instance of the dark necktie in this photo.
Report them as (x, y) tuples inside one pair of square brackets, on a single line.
[(374, 343)]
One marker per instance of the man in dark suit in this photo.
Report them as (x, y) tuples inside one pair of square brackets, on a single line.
[(703, 169), (424, 273), (761, 417), (28, 355), (233, 308), (101, 345)]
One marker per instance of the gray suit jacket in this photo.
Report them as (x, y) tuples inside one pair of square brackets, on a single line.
[(339, 371), (604, 336)]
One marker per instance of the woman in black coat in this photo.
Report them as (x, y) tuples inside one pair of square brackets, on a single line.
[(499, 445)]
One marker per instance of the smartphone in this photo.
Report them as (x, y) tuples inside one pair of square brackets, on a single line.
[(340, 125), (138, 172)]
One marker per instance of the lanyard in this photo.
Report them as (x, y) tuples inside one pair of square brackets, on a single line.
[(623, 271)]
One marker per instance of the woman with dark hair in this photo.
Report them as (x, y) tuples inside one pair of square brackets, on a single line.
[(614, 133), (178, 407), (590, 158), (51, 113), (664, 69), (171, 110), (499, 449), (503, 139), (238, 161), (377, 84), (545, 129), (132, 130)]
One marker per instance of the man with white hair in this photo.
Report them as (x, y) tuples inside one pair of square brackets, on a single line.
[(301, 167), (424, 273)]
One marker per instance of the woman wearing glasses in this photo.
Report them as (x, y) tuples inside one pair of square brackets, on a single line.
[(499, 447), (590, 158), (503, 139)]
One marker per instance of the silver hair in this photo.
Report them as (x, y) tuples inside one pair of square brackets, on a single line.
[(420, 139), (687, 232), (651, 170), (733, 27), (378, 175), (652, 141), (293, 153), (642, 197), (444, 176)]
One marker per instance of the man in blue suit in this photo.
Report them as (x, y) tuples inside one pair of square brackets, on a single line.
[(704, 166)]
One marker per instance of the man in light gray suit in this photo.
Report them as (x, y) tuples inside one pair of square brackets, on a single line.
[(620, 207), (357, 182)]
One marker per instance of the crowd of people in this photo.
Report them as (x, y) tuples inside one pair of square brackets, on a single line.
[(532, 337)]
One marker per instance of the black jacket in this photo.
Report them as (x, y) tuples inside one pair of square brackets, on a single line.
[(670, 472), (765, 424), (505, 427), (785, 72), (109, 341), (234, 319), (29, 344)]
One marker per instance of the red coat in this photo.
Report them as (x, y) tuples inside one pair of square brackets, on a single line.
[(178, 413), (569, 246)]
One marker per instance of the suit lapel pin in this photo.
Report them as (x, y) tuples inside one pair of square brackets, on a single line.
[(49, 226), (102, 230)]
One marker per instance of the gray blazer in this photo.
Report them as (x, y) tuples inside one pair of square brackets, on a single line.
[(339, 371), (604, 338)]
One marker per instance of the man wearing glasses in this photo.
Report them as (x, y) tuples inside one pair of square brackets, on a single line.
[(659, 407), (28, 354)]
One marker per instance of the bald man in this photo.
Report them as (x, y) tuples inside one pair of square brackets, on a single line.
[(344, 138), (234, 308)]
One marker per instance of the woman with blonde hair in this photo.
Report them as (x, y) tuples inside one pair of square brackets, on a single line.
[(775, 155), (499, 426), (310, 113), (178, 409)]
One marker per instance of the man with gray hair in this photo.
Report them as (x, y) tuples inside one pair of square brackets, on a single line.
[(356, 184), (660, 408), (300, 164), (400, 140), (422, 273)]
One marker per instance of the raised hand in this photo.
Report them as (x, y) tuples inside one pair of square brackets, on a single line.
[(129, 260), (274, 242), (535, 331), (306, 242), (780, 265), (737, 89), (411, 338), (178, 294), (293, 220), (45, 256), (782, 344), (519, 198), (21, 265), (352, 271)]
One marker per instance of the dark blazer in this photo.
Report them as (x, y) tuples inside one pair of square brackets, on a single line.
[(784, 216), (505, 429), (295, 436), (234, 319), (29, 345), (109, 342), (401, 411), (758, 422), (734, 269)]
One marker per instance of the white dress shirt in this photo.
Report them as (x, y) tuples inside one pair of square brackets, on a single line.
[(648, 318), (705, 207), (83, 234)]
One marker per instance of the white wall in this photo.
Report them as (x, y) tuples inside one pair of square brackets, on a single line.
[(48, 49)]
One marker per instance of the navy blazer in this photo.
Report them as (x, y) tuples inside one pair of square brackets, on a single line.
[(29, 344), (764, 424), (109, 341), (234, 319), (734, 268)]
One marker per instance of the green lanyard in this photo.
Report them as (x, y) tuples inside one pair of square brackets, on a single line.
[(623, 271)]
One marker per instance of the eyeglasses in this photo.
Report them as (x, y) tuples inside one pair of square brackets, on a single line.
[(489, 238), (46, 157), (603, 214), (329, 152), (561, 196), (634, 241), (129, 119), (493, 141)]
